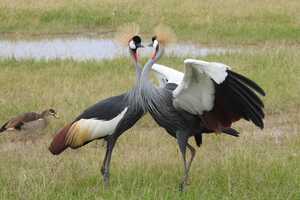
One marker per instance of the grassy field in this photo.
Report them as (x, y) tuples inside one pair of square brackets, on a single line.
[(214, 22), (146, 163)]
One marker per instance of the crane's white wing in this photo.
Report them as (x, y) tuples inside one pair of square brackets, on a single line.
[(167, 75), (196, 93)]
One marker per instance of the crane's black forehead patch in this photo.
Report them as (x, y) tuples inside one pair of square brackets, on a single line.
[(154, 38), (137, 39)]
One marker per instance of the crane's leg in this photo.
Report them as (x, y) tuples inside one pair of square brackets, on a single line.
[(111, 141), (182, 139), (193, 153), (104, 160)]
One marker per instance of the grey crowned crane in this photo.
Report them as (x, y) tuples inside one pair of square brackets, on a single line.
[(209, 99), (29, 121), (107, 119)]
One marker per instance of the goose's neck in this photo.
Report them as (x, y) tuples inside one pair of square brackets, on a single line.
[(44, 113)]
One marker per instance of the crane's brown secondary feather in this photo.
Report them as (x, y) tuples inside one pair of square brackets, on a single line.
[(58, 143), (234, 99)]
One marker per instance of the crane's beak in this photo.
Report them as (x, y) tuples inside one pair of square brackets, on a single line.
[(150, 45)]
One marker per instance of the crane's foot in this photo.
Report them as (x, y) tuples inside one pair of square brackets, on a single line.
[(106, 179), (184, 183), (182, 187)]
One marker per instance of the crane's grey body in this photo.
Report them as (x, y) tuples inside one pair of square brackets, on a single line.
[(110, 108), (208, 99), (179, 124), (159, 103)]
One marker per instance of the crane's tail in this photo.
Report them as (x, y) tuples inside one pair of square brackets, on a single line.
[(59, 142)]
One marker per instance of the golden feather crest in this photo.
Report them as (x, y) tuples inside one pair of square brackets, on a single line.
[(165, 34), (126, 32)]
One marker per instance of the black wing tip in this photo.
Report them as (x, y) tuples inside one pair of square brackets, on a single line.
[(231, 131), (248, 82), (259, 124)]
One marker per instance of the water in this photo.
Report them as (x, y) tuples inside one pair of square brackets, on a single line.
[(87, 48)]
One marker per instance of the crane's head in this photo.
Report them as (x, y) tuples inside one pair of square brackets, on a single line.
[(155, 44), (128, 35), (163, 35), (134, 43)]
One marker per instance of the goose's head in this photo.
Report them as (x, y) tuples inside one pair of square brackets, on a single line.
[(50, 112)]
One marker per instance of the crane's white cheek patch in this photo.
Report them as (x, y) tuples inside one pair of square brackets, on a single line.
[(86, 130)]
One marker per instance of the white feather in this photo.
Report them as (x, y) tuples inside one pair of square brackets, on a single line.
[(196, 93), (167, 75), (215, 70), (100, 128), (132, 45)]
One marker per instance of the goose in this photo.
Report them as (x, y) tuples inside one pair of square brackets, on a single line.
[(29, 121)]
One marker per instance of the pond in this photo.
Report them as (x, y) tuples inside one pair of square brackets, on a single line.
[(84, 48)]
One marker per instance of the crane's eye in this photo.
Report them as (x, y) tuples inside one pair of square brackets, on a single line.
[(132, 45)]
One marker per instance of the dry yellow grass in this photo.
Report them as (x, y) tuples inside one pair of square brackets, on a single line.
[(221, 22)]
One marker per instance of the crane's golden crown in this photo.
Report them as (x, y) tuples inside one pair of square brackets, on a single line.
[(126, 32), (164, 34)]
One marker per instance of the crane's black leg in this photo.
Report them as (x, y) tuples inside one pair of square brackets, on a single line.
[(182, 139), (193, 153), (105, 158), (111, 141)]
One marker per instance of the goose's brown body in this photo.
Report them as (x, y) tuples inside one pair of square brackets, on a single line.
[(29, 121)]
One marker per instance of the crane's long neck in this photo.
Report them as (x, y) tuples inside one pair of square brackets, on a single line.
[(138, 67), (133, 96), (145, 79), (148, 93)]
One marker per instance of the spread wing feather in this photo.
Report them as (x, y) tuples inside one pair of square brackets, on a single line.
[(218, 95)]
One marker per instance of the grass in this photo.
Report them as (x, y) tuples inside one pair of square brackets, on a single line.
[(146, 163), (213, 22)]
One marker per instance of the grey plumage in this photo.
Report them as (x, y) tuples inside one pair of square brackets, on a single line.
[(182, 124), (105, 110)]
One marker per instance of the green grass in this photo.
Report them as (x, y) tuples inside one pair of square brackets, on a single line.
[(214, 22), (146, 163), (225, 168)]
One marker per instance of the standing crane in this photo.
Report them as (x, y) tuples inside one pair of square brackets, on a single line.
[(107, 119), (208, 99)]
